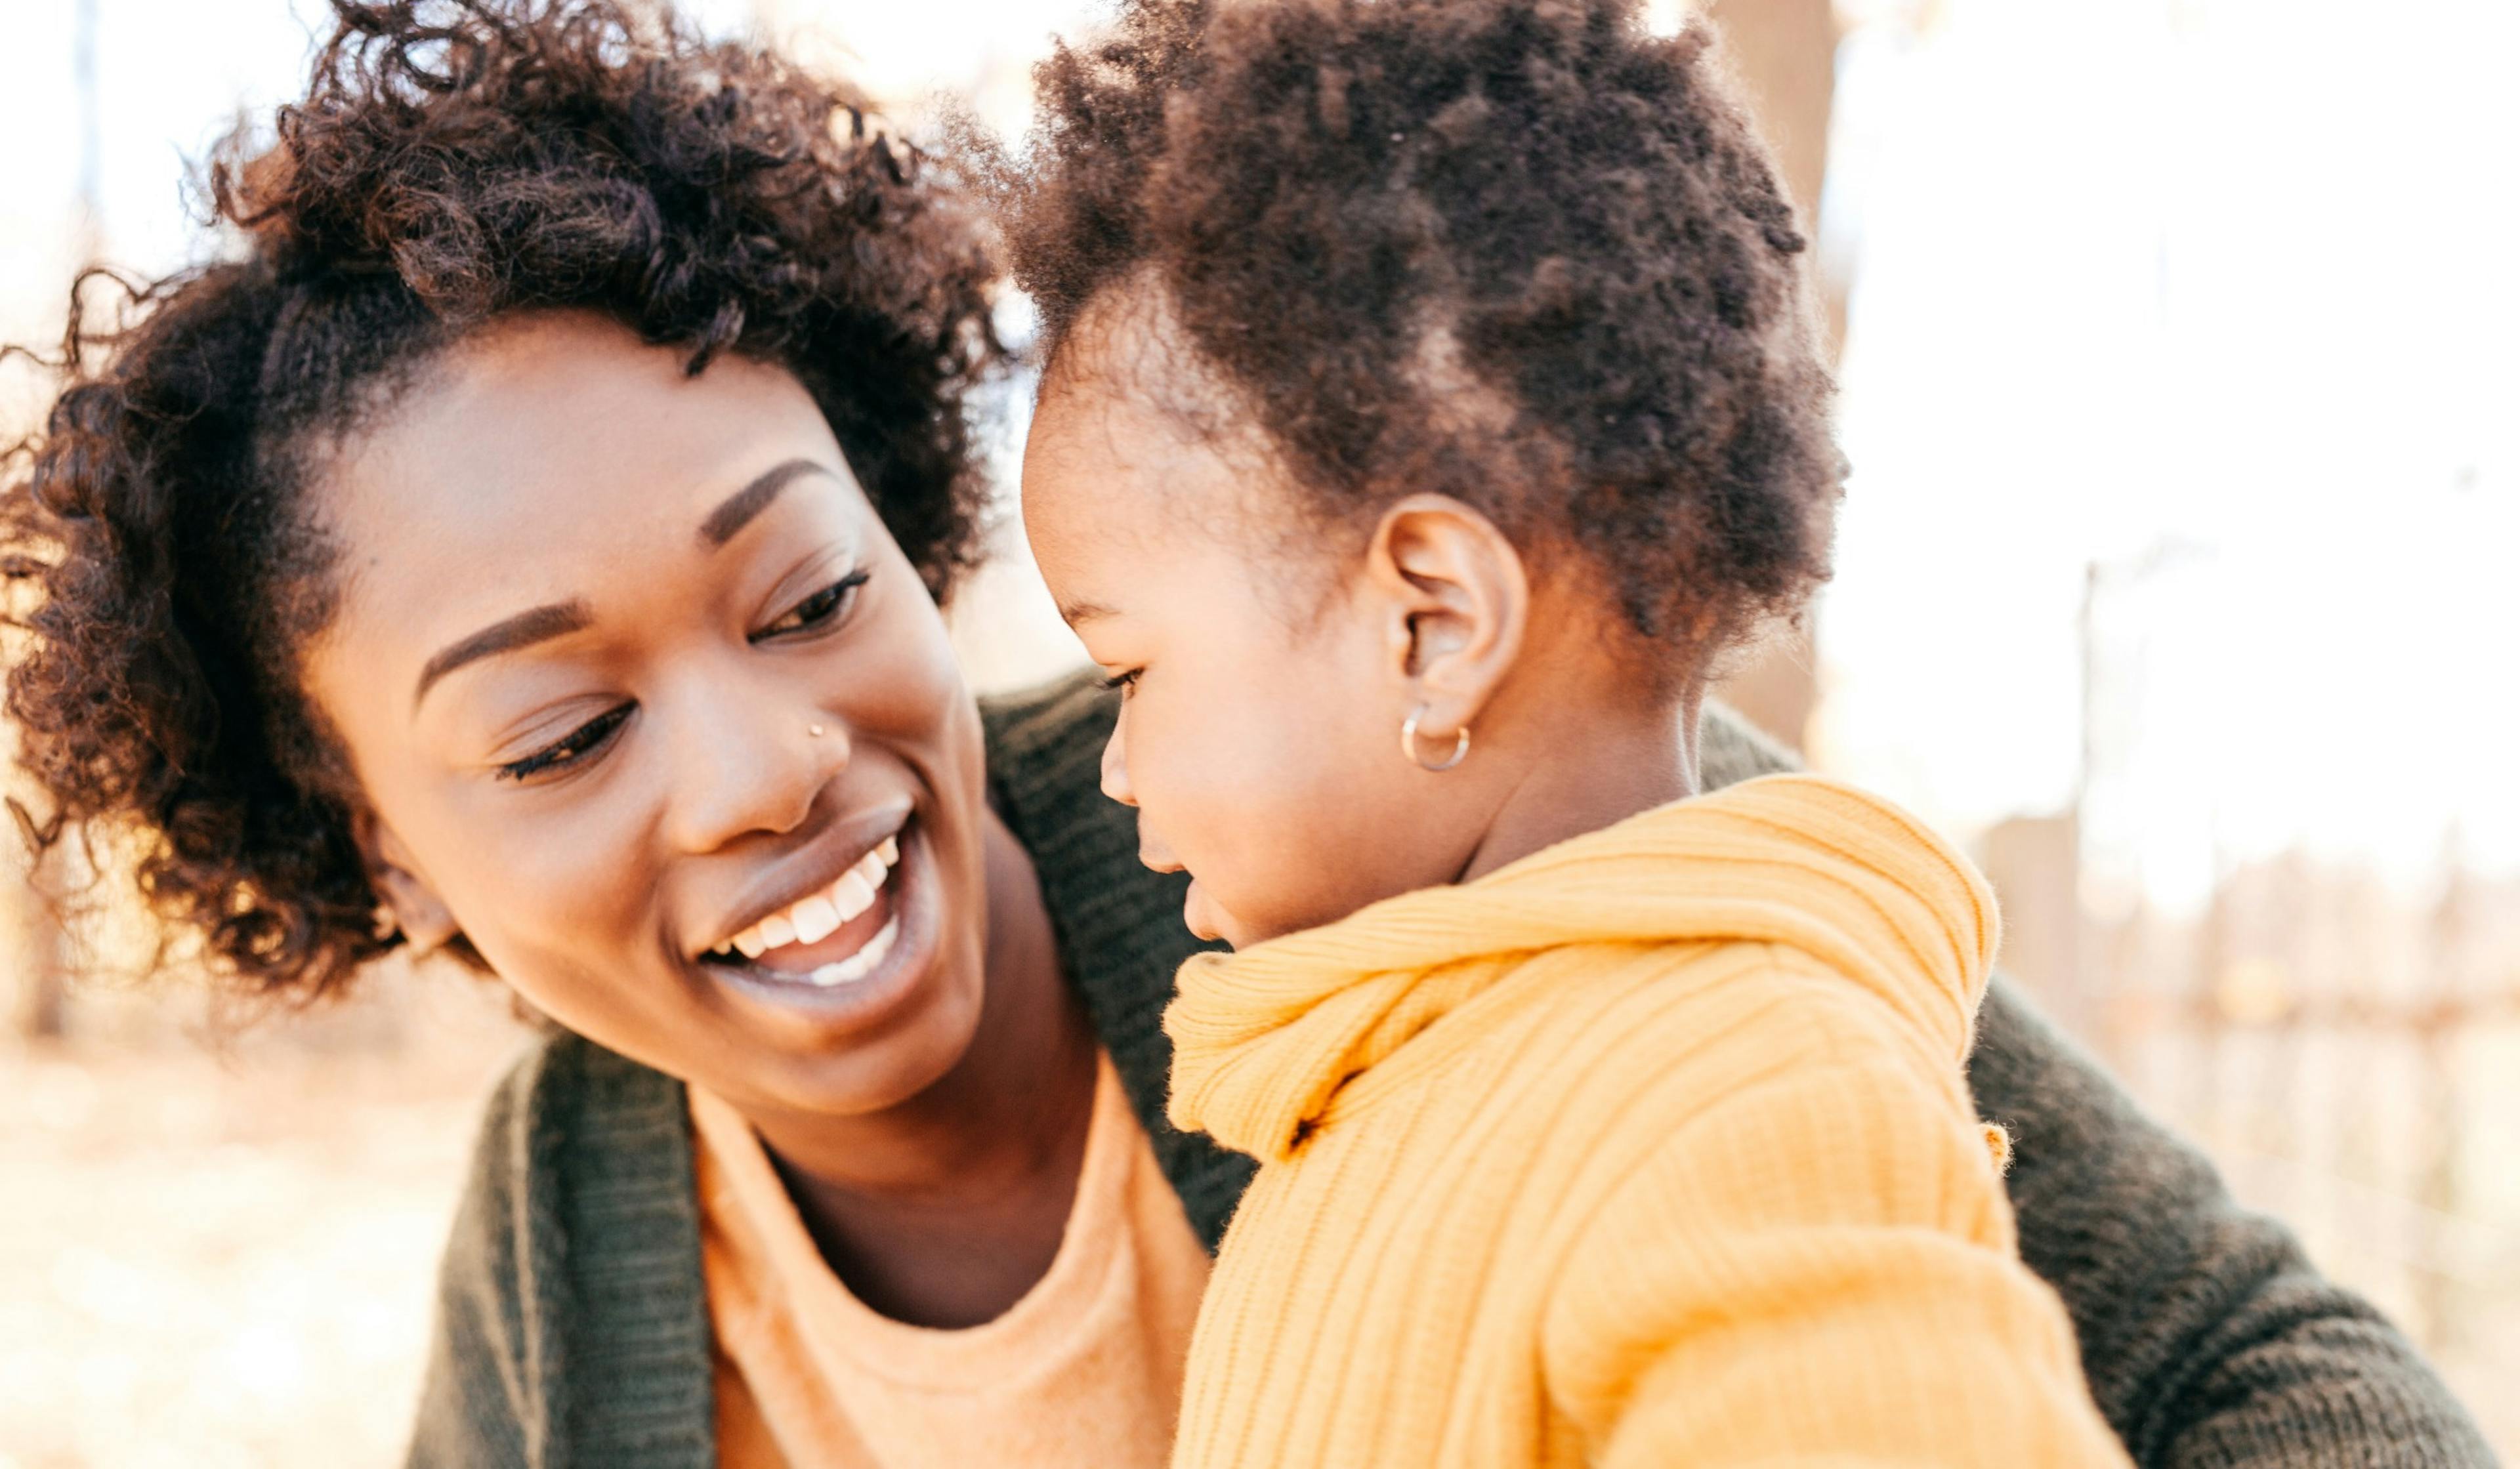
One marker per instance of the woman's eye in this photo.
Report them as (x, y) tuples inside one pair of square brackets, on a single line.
[(1124, 682), (817, 611), (570, 749)]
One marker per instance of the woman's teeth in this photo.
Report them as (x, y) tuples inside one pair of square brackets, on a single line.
[(817, 916), (856, 965)]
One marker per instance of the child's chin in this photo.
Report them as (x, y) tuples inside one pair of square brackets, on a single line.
[(1207, 922)]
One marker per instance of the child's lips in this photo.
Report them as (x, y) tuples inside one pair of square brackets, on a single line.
[(1153, 856)]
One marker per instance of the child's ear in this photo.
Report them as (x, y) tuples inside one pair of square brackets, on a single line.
[(1460, 604), (411, 901)]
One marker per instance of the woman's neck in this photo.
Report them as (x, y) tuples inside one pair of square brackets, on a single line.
[(1587, 773), (944, 1210)]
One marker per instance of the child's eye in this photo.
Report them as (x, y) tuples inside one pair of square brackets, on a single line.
[(572, 749), (820, 610), (1124, 682)]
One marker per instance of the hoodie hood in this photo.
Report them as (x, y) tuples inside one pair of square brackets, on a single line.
[(1263, 1038)]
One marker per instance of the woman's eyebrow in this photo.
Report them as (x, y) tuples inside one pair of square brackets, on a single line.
[(539, 625), (737, 511)]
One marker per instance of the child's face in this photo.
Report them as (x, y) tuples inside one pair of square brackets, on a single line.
[(1259, 735)]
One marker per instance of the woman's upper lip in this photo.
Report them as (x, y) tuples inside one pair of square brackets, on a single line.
[(842, 845)]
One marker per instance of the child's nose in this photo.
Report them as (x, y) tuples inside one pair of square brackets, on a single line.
[(1115, 770)]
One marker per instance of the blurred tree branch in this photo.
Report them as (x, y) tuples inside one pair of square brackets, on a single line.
[(1786, 54)]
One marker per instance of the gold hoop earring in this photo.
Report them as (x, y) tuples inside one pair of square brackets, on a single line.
[(1409, 743)]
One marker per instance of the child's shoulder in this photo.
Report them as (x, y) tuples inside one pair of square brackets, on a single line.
[(1650, 1044)]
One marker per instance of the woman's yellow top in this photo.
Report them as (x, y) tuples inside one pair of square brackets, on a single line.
[(1654, 1148)]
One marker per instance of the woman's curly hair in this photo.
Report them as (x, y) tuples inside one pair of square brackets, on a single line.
[(452, 162), (1525, 252)]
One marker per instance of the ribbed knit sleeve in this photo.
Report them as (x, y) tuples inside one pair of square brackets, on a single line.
[(2210, 1340), (483, 1395), (1814, 1269), (572, 1329)]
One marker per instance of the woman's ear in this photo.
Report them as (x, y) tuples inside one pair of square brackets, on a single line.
[(423, 917), (1460, 606)]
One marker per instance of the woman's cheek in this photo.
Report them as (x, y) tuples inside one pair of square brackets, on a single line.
[(913, 679)]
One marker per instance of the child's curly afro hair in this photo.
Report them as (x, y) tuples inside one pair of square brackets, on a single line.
[(451, 162), (1525, 252)]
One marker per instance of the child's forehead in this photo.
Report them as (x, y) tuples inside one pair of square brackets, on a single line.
[(1121, 501), (1128, 344), (1148, 458)]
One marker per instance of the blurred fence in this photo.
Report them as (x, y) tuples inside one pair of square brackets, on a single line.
[(2345, 1046)]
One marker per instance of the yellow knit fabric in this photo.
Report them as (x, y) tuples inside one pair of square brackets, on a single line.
[(1654, 1148)]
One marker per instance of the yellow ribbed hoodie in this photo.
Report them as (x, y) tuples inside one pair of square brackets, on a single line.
[(1652, 1148)]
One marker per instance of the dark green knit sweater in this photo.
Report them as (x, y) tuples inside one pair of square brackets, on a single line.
[(574, 1328)]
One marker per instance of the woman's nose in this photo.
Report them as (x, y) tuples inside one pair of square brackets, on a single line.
[(737, 776)]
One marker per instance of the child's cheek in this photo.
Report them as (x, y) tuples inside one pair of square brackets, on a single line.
[(1190, 774), (1231, 796)]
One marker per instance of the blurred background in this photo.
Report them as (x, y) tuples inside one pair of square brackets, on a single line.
[(2178, 354)]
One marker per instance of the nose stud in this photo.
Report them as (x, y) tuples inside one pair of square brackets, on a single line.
[(813, 729)]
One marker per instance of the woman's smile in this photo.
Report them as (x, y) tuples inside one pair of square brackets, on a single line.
[(831, 922), (856, 973)]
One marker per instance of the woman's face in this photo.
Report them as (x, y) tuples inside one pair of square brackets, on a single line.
[(644, 701)]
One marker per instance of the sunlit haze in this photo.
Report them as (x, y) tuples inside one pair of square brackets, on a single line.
[(2215, 294)]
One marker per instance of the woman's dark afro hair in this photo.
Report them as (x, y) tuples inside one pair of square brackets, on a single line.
[(452, 162), (1525, 252)]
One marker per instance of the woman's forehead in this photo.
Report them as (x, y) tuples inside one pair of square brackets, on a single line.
[(543, 461), (531, 430)]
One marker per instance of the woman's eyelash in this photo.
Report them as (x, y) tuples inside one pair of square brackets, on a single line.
[(570, 748), (1128, 680), (815, 610), (587, 739)]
